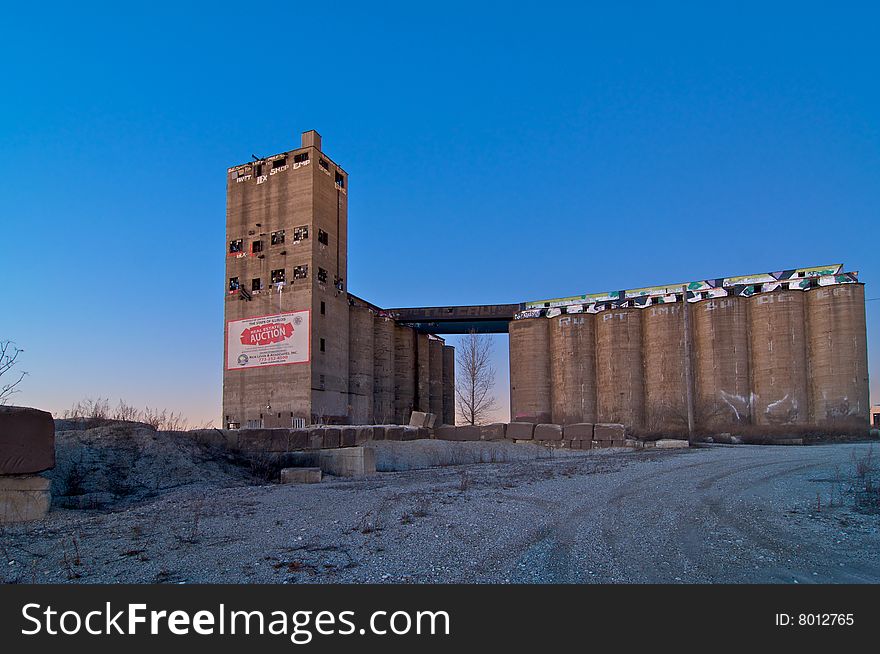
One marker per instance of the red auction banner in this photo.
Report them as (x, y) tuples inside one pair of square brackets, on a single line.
[(274, 340)]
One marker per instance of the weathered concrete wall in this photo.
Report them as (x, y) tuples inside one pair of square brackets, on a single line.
[(448, 417), (263, 198), (530, 384), (435, 377), (383, 369), (404, 373), (360, 365)]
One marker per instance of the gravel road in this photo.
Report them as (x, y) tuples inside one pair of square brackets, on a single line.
[(711, 514)]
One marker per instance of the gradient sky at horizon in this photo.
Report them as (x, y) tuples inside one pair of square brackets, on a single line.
[(496, 153)]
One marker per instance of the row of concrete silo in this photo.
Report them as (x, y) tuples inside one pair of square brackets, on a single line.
[(394, 370), (786, 357)]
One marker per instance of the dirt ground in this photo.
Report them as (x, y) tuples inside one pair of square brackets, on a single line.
[(710, 514)]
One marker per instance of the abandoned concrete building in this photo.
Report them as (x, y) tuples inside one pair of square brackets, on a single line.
[(782, 348), (299, 348)]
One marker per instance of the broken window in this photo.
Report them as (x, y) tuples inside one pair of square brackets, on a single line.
[(257, 284), (322, 237), (241, 172), (233, 284), (340, 180), (299, 158), (339, 283), (323, 345), (258, 169), (300, 233), (279, 162), (278, 237), (235, 246), (278, 276), (257, 246), (324, 164), (323, 308), (300, 272), (322, 275)]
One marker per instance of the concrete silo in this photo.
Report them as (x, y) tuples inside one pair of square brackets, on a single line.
[(619, 375), (448, 417), (664, 361), (530, 370), (435, 378), (404, 373), (573, 368), (722, 385), (383, 370), (777, 341), (837, 351), (360, 365)]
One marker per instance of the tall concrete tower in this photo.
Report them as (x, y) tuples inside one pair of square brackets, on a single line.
[(286, 352)]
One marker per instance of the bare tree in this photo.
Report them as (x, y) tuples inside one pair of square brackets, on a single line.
[(8, 356), (475, 378)]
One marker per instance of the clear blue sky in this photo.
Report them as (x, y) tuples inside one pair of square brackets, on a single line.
[(497, 152)]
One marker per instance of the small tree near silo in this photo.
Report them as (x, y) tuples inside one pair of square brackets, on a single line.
[(474, 378)]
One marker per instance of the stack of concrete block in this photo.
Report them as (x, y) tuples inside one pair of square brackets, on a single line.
[(460, 433), (339, 462), (579, 435), (27, 448), (549, 435), (422, 419), (497, 431), (609, 435), (520, 431)]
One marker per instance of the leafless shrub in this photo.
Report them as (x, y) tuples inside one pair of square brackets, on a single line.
[(8, 356), (464, 482), (370, 523), (98, 408), (864, 464), (126, 412), (73, 476), (421, 509)]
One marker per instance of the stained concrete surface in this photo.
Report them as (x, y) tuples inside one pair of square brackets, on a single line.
[(717, 514)]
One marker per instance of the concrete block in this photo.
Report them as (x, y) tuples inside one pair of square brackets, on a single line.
[(364, 434), (494, 432), (520, 431), (393, 433), (23, 498), (316, 438), (27, 440), (430, 421), (670, 444), (297, 439), (332, 437), (579, 431), (546, 432), (410, 433), (418, 419), (262, 440), (460, 433), (609, 432), (348, 437), (348, 461), (634, 443), (445, 433), (300, 475)]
